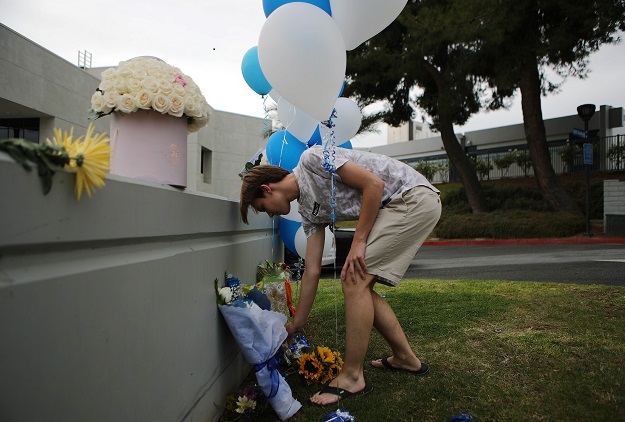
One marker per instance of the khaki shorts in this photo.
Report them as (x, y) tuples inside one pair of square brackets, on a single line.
[(400, 229)]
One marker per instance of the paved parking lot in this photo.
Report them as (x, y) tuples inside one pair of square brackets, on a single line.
[(560, 263)]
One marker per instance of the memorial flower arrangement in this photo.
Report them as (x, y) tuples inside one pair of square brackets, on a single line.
[(321, 367), (246, 403), (150, 83), (259, 333), (276, 281), (87, 156)]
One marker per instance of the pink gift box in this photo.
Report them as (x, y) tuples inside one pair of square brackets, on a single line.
[(150, 146)]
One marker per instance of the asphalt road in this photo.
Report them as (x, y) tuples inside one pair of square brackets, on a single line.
[(579, 264)]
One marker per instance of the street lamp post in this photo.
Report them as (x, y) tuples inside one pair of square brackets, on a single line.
[(585, 112)]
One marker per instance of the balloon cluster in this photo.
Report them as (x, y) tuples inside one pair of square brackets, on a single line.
[(300, 62)]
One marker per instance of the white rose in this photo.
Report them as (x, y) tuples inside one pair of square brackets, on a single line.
[(126, 104), (161, 103), (133, 85), (178, 89), (140, 72), (120, 85), (110, 98), (190, 107), (98, 104), (124, 69), (226, 294), (109, 73), (164, 85), (106, 85), (143, 99), (150, 83), (177, 105)]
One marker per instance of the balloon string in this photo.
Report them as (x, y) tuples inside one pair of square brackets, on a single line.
[(266, 118), (329, 163)]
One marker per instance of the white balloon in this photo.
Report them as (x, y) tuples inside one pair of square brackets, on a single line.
[(274, 95), (295, 121), (302, 55), (294, 214), (329, 246), (360, 20), (346, 123)]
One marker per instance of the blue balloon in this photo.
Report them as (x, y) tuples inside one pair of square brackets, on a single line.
[(347, 145), (284, 150), (271, 5), (253, 74), (288, 229)]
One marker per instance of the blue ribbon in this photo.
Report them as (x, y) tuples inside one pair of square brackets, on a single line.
[(329, 155), (272, 365)]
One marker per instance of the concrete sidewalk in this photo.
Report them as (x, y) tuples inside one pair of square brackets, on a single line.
[(573, 240)]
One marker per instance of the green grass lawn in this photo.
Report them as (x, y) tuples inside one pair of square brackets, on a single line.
[(498, 350)]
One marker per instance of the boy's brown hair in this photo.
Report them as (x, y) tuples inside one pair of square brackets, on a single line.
[(253, 179)]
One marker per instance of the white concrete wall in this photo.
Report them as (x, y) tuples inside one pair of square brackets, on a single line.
[(613, 200), (107, 306), (233, 140), (42, 84), (37, 83)]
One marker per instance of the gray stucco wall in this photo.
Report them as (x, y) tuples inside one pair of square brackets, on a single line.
[(107, 307), (614, 207)]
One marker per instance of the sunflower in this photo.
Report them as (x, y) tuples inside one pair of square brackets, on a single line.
[(325, 354), (338, 359), (310, 367), (330, 373), (89, 158)]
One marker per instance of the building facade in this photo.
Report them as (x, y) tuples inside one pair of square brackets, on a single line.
[(40, 91), (606, 129)]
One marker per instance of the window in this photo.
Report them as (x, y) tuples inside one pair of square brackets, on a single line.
[(206, 164), (20, 128)]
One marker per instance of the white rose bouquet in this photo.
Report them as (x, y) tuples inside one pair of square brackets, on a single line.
[(150, 83)]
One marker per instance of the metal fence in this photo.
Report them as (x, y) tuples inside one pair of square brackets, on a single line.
[(566, 157)]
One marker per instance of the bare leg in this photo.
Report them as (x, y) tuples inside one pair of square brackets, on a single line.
[(359, 317), (386, 323)]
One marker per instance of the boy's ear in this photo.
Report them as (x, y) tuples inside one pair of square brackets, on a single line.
[(265, 188)]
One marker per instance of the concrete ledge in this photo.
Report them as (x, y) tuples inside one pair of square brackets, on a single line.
[(107, 305)]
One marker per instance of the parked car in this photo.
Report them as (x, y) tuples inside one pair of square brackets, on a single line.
[(343, 242)]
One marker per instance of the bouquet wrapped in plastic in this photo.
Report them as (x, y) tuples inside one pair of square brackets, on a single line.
[(259, 332), (276, 281)]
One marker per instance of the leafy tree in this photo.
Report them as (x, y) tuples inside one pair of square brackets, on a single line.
[(482, 167), (523, 160), (431, 46), (521, 40), (616, 154), (504, 161)]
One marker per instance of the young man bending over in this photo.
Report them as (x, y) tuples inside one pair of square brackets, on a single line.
[(396, 208)]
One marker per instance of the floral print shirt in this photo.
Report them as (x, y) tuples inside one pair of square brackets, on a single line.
[(315, 185)]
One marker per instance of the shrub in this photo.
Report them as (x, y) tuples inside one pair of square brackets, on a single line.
[(510, 224)]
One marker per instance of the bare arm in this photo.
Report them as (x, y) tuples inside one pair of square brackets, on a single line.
[(309, 283), (372, 188)]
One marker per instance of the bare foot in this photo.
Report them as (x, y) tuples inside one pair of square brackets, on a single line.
[(412, 365), (323, 399)]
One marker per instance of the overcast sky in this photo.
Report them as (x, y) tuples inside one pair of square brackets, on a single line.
[(207, 40)]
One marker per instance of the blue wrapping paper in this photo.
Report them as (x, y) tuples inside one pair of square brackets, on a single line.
[(259, 334)]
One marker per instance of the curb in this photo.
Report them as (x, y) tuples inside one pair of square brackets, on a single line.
[(547, 241)]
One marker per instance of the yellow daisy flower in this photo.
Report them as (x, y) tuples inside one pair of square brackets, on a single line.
[(89, 158)]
